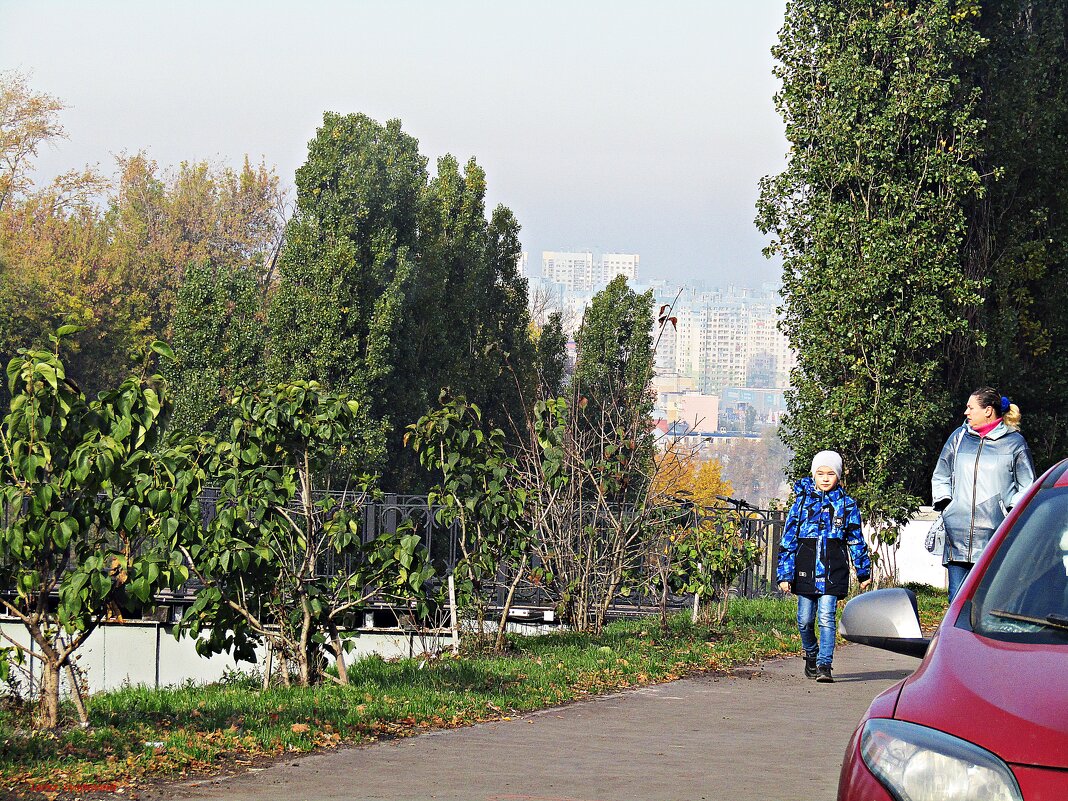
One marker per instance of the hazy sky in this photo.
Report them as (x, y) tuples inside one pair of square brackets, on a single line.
[(610, 126)]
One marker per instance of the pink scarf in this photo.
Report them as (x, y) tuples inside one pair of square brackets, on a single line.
[(982, 431)]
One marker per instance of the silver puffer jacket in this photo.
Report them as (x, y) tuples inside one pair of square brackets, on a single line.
[(983, 477)]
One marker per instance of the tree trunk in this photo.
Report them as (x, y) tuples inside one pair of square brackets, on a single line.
[(48, 705), (499, 642), (76, 686), (339, 655)]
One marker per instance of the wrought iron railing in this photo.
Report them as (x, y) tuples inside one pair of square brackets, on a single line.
[(389, 512)]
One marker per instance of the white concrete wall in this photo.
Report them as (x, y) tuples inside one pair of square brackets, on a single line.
[(145, 653), (914, 563)]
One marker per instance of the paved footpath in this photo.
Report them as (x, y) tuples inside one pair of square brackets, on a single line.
[(763, 734)]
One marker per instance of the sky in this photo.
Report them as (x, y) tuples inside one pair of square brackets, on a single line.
[(619, 126)]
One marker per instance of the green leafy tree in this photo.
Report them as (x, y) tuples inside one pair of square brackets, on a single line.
[(393, 286), (346, 271), (218, 341), (614, 367), (612, 385), (475, 491), (551, 357), (869, 217), (477, 343), (94, 508), (1018, 241), (709, 557), (282, 562)]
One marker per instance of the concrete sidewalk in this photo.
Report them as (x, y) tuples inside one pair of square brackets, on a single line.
[(763, 734)]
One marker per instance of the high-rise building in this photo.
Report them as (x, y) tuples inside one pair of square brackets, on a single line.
[(581, 272), (613, 264), (573, 270), (724, 338)]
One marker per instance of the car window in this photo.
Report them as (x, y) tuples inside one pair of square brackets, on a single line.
[(1024, 594)]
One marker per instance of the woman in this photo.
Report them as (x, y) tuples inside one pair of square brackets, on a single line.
[(983, 469)]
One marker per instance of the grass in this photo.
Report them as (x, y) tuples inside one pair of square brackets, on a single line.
[(932, 604), (138, 734)]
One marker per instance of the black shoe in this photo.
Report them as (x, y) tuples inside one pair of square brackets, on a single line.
[(810, 666), (823, 673)]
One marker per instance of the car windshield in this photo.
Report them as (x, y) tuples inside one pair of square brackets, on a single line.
[(1024, 593)]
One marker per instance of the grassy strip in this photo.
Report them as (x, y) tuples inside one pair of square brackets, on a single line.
[(932, 604), (140, 733)]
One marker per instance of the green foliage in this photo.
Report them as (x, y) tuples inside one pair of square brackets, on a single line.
[(394, 286), (109, 256), (94, 507), (614, 368), (475, 489), (709, 557), (281, 562), (869, 218), (551, 357), (218, 340), (612, 388), (1018, 241), (346, 271)]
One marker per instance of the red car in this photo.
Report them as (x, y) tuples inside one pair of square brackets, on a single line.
[(985, 716)]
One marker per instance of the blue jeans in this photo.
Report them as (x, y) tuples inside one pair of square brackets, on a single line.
[(958, 571), (808, 608)]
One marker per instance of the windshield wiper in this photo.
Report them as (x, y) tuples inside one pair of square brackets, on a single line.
[(1053, 620)]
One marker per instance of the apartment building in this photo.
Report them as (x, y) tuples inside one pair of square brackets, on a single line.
[(724, 338), (579, 271)]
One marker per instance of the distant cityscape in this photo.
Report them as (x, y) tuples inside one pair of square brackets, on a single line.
[(722, 367)]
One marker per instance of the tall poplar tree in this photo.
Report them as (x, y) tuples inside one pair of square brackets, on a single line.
[(346, 269), (869, 217), (1018, 240), (612, 386), (614, 366), (394, 286)]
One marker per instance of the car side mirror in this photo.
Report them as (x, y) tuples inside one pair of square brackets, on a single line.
[(886, 619)]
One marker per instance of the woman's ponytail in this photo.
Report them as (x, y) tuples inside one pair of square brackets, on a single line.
[(1012, 417)]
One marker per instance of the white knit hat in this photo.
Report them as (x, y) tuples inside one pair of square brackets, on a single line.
[(829, 459)]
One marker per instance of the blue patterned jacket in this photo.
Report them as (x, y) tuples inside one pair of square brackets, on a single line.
[(820, 529)]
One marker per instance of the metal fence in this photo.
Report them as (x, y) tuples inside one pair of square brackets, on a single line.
[(390, 512)]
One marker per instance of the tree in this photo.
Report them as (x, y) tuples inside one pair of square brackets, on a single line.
[(28, 119), (614, 367), (681, 473), (218, 338), (284, 560), (478, 343), (612, 384), (94, 508), (393, 286), (474, 489), (161, 222), (346, 271), (869, 217), (1018, 239), (708, 557), (756, 468), (551, 357), (109, 256)]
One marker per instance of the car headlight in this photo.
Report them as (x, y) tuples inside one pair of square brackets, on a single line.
[(916, 763)]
